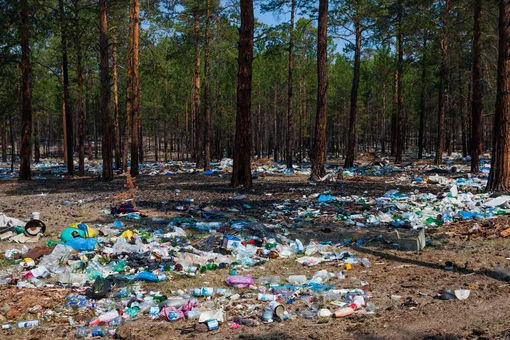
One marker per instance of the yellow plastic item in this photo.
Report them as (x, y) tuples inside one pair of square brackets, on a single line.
[(90, 232), (348, 266), (127, 234)]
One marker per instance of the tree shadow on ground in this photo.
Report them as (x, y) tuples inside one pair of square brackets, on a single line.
[(500, 276)]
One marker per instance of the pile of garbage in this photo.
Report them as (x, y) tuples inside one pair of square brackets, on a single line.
[(412, 210), (104, 268)]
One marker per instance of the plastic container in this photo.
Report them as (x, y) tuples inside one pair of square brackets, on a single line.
[(297, 279), (107, 317), (267, 297), (357, 302), (273, 280), (240, 281), (28, 324)]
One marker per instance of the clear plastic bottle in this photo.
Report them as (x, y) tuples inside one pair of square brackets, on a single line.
[(28, 324), (271, 280), (107, 317), (366, 262), (297, 279)]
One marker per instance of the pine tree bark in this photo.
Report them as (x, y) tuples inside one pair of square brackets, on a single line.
[(422, 100), (129, 94), (105, 93), (477, 94), (319, 153), (499, 177), (37, 143), (207, 95), (136, 93), (461, 100), (352, 140), (4, 139), (68, 113), (118, 155), (241, 173), (155, 122), (443, 94), (141, 153), (275, 122), (11, 127), (79, 104), (399, 138), (290, 127), (26, 105), (196, 95)]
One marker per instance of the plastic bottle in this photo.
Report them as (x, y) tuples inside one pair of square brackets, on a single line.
[(272, 280), (357, 302), (36, 282), (365, 262), (297, 279), (120, 266), (267, 297), (81, 332), (342, 312), (88, 332), (107, 317), (322, 276), (28, 324), (206, 226)]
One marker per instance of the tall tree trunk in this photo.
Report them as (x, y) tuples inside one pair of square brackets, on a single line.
[(499, 177), (399, 79), (129, 94), (196, 95), (141, 153), (275, 122), (26, 105), (290, 128), (105, 94), (301, 116), (241, 174), (319, 153), (118, 155), (11, 129), (383, 127), (155, 123), (422, 100), (68, 112), (87, 114), (443, 94), (207, 95), (4, 139), (79, 104), (353, 116), (394, 111), (477, 97), (136, 93), (166, 126), (37, 144), (462, 113)]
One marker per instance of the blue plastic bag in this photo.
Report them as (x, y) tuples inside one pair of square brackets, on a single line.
[(326, 198), (147, 276), (82, 244)]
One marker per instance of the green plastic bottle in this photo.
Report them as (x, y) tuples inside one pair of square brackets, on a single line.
[(120, 266), (212, 266)]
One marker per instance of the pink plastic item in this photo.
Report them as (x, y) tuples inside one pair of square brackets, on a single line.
[(240, 281)]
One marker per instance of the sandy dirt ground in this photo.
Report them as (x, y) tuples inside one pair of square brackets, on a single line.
[(404, 285)]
